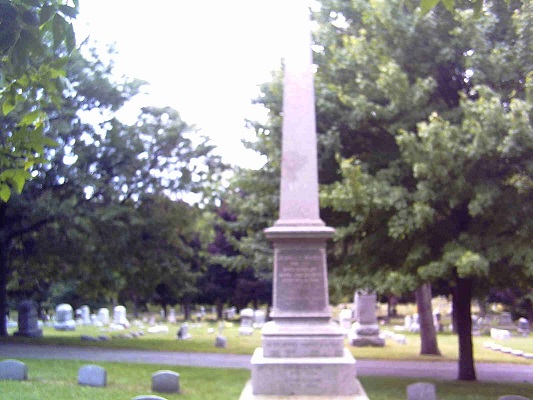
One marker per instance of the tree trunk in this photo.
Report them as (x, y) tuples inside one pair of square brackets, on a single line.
[(220, 309), (3, 288), (463, 293), (186, 310), (428, 335)]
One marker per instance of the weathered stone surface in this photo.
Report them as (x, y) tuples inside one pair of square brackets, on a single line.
[(304, 375), (367, 341), (166, 381), (92, 375), (512, 397), (221, 341), (421, 391), (27, 320), (13, 370)]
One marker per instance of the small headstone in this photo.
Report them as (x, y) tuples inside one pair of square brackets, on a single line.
[(247, 320), (166, 381), (259, 319), (407, 321), (13, 370), (221, 341), (148, 397), (92, 375), (505, 319), (183, 332), (64, 318), (421, 391), (512, 397), (28, 323), (119, 316), (365, 332), (172, 316), (523, 326), (103, 316), (345, 318), (86, 315)]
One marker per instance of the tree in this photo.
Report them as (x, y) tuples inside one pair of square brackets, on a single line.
[(450, 199), (35, 40)]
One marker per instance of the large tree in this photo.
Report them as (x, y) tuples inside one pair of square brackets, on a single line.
[(35, 40), (450, 96)]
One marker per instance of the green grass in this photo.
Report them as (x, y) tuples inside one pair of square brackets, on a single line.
[(202, 341), (57, 379)]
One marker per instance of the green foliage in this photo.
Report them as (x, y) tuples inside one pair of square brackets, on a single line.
[(35, 40)]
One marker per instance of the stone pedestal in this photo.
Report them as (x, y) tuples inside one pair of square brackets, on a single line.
[(365, 332), (27, 320)]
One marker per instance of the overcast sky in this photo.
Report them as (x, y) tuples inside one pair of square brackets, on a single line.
[(203, 58)]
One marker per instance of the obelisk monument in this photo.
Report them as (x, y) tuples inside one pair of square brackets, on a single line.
[(302, 352)]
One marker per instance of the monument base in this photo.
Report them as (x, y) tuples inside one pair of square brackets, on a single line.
[(247, 394), (309, 376)]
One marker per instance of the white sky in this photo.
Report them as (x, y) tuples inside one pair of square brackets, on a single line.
[(205, 58)]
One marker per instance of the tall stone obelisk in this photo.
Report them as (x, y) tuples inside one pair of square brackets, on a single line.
[(302, 352)]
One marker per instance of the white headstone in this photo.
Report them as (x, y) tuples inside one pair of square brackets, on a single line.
[(172, 316), (421, 391), (86, 315), (64, 318), (119, 316), (103, 316), (345, 318), (247, 320), (92, 375), (259, 319)]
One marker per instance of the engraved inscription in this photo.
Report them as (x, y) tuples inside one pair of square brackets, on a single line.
[(300, 280)]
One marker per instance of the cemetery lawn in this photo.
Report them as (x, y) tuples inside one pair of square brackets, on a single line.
[(57, 379), (203, 341)]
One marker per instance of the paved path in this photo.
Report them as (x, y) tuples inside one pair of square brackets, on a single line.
[(413, 369)]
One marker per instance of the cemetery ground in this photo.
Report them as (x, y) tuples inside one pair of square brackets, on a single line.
[(57, 379), (204, 333)]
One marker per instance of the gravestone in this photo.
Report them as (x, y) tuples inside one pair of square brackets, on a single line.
[(247, 322), (13, 370), (421, 391), (407, 322), (119, 316), (345, 318), (221, 341), (259, 319), (302, 351), (523, 326), (505, 321), (183, 332), (64, 318), (365, 331), (415, 325), (92, 375), (86, 315), (28, 323), (103, 316), (166, 381), (172, 316)]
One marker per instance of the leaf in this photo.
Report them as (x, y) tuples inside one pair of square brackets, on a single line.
[(32, 3), (68, 11), (448, 4), (47, 13), (70, 38), (478, 6), (19, 179), (58, 29), (8, 105), (426, 5), (32, 117), (5, 192)]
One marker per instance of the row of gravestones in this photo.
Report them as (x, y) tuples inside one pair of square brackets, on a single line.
[(250, 320), (64, 317), (163, 381), (428, 391)]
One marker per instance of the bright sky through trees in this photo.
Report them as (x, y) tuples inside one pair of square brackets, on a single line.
[(203, 58)]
